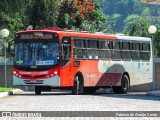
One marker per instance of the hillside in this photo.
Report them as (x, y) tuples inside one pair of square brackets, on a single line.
[(121, 13)]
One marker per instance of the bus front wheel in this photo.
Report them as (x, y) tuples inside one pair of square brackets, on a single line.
[(75, 88), (38, 90)]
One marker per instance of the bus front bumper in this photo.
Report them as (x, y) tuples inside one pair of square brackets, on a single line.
[(54, 81)]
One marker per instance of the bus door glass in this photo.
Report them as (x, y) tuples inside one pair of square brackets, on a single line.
[(66, 63), (66, 50)]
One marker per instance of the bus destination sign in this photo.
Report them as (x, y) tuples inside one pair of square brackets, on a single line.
[(36, 36)]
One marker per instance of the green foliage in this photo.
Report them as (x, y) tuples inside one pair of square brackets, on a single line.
[(139, 28), (112, 23), (3, 89), (146, 12), (130, 11), (81, 15), (130, 20), (157, 42), (36, 13), (14, 24), (12, 11)]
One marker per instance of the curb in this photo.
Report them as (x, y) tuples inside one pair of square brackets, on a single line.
[(154, 93), (12, 92)]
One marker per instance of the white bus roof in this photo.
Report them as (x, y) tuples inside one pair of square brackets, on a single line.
[(133, 38)]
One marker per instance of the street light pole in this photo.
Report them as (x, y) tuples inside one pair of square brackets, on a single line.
[(152, 30), (4, 33), (153, 64), (5, 68)]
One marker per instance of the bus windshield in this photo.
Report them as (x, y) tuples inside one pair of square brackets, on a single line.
[(36, 54)]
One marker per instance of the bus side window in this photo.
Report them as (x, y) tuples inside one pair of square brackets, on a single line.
[(126, 51), (145, 53), (93, 49), (80, 43), (93, 44), (115, 50), (135, 51), (105, 44), (79, 50), (105, 52)]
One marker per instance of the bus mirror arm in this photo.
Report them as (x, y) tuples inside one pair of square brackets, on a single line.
[(10, 48)]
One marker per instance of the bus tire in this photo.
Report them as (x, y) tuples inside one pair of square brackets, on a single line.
[(75, 88), (124, 86), (38, 90)]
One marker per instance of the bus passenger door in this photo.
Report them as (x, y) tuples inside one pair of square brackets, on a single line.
[(66, 63)]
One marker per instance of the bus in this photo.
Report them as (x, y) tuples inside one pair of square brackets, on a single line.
[(81, 61)]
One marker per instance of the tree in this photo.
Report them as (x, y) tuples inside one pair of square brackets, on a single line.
[(12, 11), (157, 42), (42, 13), (81, 15), (139, 28), (131, 19)]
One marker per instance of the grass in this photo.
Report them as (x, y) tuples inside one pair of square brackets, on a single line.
[(3, 89)]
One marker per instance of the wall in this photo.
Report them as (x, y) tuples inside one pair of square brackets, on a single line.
[(9, 75), (157, 76), (9, 72)]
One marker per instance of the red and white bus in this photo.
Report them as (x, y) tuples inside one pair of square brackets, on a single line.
[(81, 61)]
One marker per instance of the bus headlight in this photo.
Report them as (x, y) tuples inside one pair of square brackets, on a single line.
[(55, 72), (14, 72)]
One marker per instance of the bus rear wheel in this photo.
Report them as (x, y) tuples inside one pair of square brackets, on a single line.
[(38, 90), (124, 86), (75, 88)]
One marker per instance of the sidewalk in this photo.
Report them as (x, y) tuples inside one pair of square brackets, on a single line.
[(5, 94), (154, 93)]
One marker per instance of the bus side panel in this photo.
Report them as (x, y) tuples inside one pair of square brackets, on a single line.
[(110, 73), (100, 73), (94, 74), (110, 79), (141, 79), (84, 68)]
